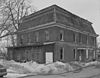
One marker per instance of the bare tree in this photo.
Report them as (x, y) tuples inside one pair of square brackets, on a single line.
[(11, 12)]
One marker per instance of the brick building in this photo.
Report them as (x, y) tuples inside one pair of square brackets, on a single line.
[(53, 34)]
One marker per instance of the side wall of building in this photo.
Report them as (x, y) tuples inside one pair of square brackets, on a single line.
[(53, 34)]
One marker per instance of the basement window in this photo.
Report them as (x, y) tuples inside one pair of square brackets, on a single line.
[(62, 53)]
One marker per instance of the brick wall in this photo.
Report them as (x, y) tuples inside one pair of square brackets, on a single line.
[(54, 35), (68, 52)]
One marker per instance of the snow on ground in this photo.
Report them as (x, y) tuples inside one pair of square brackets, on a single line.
[(33, 67), (14, 75), (23, 69)]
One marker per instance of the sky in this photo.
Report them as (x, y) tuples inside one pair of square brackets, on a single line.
[(88, 9)]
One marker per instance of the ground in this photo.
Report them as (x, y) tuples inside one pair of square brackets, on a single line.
[(89, 72), (26, 70)]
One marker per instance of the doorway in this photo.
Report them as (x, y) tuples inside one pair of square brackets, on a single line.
[(81, 55), (48, 57)]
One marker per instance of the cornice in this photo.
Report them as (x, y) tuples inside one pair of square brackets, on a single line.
[(53, 24)]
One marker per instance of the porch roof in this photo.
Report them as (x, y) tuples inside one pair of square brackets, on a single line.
[(38, 44)]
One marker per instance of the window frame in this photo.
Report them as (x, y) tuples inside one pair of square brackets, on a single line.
[(61, 35), (47, 37), (62, 53)]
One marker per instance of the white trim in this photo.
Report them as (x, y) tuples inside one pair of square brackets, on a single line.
[(81, 48), (61, 35), (94, 54), (45, 43), (87, 53), (63, 53)]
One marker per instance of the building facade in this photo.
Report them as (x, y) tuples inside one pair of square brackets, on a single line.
[(54, 34)]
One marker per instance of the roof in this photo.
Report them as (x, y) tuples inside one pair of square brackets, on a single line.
[(56, 14)]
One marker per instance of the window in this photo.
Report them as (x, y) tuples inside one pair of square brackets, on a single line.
[(74, 52), (86, 39), (62, 53), (93, 40), (37, 36), (47, 35), (61, 35), (74, 37), (29, 38), (21, 39), (80, 37)]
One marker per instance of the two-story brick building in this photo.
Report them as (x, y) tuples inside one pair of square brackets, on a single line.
[(53, 34)]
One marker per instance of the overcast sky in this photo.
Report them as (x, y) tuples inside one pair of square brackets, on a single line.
[(88, 9)]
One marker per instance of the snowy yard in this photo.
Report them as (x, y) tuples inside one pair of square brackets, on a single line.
[(16, 69)]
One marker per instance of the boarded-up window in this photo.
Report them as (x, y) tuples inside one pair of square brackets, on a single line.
[(49, 57)]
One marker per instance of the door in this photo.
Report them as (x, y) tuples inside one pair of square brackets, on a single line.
[(49, 57)]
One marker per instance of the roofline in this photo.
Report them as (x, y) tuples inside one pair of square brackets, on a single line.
[(53, 7), (39, 12)]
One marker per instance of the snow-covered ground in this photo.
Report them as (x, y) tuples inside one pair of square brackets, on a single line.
[(16, 69)]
